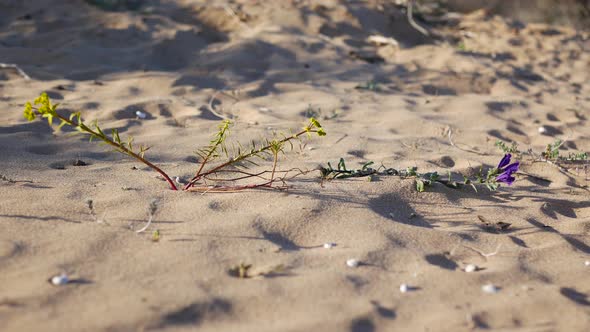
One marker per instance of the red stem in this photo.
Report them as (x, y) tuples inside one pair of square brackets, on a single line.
[(124, 150)]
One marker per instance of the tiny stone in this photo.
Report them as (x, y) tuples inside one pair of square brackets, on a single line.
[(587, 263), (542, 130), (140, 114), (329, 245), (404, 288), (352, 262), (490, 289), (59, 280), (470, 268)]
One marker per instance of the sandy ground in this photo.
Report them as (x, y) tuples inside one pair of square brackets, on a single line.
[(480, 79)]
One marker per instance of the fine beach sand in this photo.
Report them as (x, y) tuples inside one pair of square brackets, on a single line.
[(440, 104)]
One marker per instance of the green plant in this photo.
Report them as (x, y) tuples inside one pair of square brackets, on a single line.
[(369, 85), (512, 148), (239, 158), (273, 147), (491, 179)]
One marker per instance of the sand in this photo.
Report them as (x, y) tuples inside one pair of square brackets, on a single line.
[(440, 104)]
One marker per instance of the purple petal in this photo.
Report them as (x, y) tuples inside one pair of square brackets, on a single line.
[(505, 178), (512, 168), (505, 160)]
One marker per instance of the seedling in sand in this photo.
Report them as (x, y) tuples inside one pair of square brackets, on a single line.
[(239, 156), (156, 236), (242, 271), (369, 85)]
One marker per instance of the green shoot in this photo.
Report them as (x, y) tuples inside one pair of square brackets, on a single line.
[(43, 107), (269, 147)]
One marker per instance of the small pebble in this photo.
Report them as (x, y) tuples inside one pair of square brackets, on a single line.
[(470, 268), (587, 263), (542, 130), (490, 289), (329, 245), (352, 262), (404, 288), (59, 280), (140, 114)]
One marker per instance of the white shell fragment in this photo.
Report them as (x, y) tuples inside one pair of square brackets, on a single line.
[(141, 114), (329, 245), (470, 268), (381, 40), (404, 288), (490, 289), (587, 263), (59, 280), (542, 130), (352, 262)]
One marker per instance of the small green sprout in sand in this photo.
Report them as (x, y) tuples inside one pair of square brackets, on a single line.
[(156, 236), (369, 85), (243, 271), (240, 271)]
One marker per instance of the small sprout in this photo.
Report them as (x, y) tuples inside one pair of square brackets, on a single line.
[(352, 262), (90, 204), (512, 148), (369, 85), (241, 271), (59, 280), (470, 268), (153, 207), (329, 245), (490, 289), (156, 236)]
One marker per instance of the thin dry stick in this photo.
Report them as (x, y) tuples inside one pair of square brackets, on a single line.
[(460, 148), (212, 109), (233, 14), (15, 67), (413, 23), (482, 254)]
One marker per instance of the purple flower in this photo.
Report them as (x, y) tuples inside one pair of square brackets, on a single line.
[(507, 170)]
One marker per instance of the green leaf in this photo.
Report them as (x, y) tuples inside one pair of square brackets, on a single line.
[(63, 123), (419, 185)]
